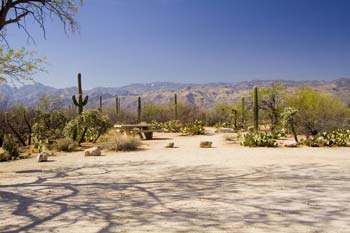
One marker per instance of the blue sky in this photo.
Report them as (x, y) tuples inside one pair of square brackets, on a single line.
[(196, 41)]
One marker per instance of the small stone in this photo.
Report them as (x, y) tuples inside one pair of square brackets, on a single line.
[(94, 151), (42, 157), (205, 144), (170, 145), (290, 144)]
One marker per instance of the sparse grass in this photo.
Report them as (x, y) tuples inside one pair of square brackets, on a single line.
[(66, 144)]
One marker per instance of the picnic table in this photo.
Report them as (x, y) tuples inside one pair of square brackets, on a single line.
[(144, 130)]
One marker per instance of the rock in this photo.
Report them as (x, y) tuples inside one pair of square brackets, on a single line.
[(290, 144), (42, 157), (205, 144), (94, 151), (225, 130), (170, 145)]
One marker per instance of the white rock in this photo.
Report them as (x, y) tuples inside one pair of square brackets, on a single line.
[(290, 144), (42, 157), (94, 151)]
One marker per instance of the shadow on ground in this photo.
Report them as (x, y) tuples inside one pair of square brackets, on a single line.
[(134, 197)]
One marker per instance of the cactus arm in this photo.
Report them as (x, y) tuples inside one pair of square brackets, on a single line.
[(85, 101), (75, 102)]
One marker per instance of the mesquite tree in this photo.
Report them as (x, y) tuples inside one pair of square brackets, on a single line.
[(20, 64)]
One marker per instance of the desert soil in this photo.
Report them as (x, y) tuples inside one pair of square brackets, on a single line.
[(228, 188)]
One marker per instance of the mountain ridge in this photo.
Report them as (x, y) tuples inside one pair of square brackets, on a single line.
[(202, 95)]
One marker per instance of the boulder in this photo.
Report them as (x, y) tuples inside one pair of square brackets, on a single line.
[(170, 145), (42, 157), (206, 144), (94, 151), (290, 144), (225, 130)]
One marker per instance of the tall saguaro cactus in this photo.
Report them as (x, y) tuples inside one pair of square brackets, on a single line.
[(175, 106), (256, 108), (100, 108), (243, 111), (117, 106), (80, 103), (139, 109)]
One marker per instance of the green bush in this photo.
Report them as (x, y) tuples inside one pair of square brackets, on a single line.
[(88, 126), (258, 140), (168, 126), (316, 111), (194, 128), (10, 146), (65, 144), (338, 137)]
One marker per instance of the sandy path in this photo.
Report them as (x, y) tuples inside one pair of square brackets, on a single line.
[(187, 189)]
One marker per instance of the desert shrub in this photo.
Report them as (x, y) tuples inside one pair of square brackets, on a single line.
[(317, 112), (65, 144), (194, 128), (10, 146), (221, 116), (338, 137), (122, 143), (189, 113), (158, 113), (89, 125), (271, 101), (258, 140), (168, 126), (4, 155), (288, 120)]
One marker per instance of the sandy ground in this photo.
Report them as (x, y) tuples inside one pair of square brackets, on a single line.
[(186, 189)]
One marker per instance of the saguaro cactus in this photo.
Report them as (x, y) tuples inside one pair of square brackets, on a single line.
[(256, 109), (175, 106), (243, 111), (100, 108), (80, 103), (117, 106), (139, 109)]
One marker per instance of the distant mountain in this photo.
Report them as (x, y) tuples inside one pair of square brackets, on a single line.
[(201, 95)]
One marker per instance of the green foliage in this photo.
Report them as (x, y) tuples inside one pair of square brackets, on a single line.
[(317, 112), (258, 140), (19, 65), (152, 112), (168, 126), (65, 144), (89, 125), (338, 137), (10, 146), (194, 128), (80, 102)]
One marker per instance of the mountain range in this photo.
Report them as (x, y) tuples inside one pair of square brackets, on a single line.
[(201, 95)]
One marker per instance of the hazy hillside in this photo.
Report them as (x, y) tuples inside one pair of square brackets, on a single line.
[(202, 95)]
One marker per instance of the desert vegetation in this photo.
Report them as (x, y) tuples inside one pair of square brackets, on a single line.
[(260, 119)]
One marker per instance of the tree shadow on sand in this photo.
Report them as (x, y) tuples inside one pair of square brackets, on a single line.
[(132, 196)]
